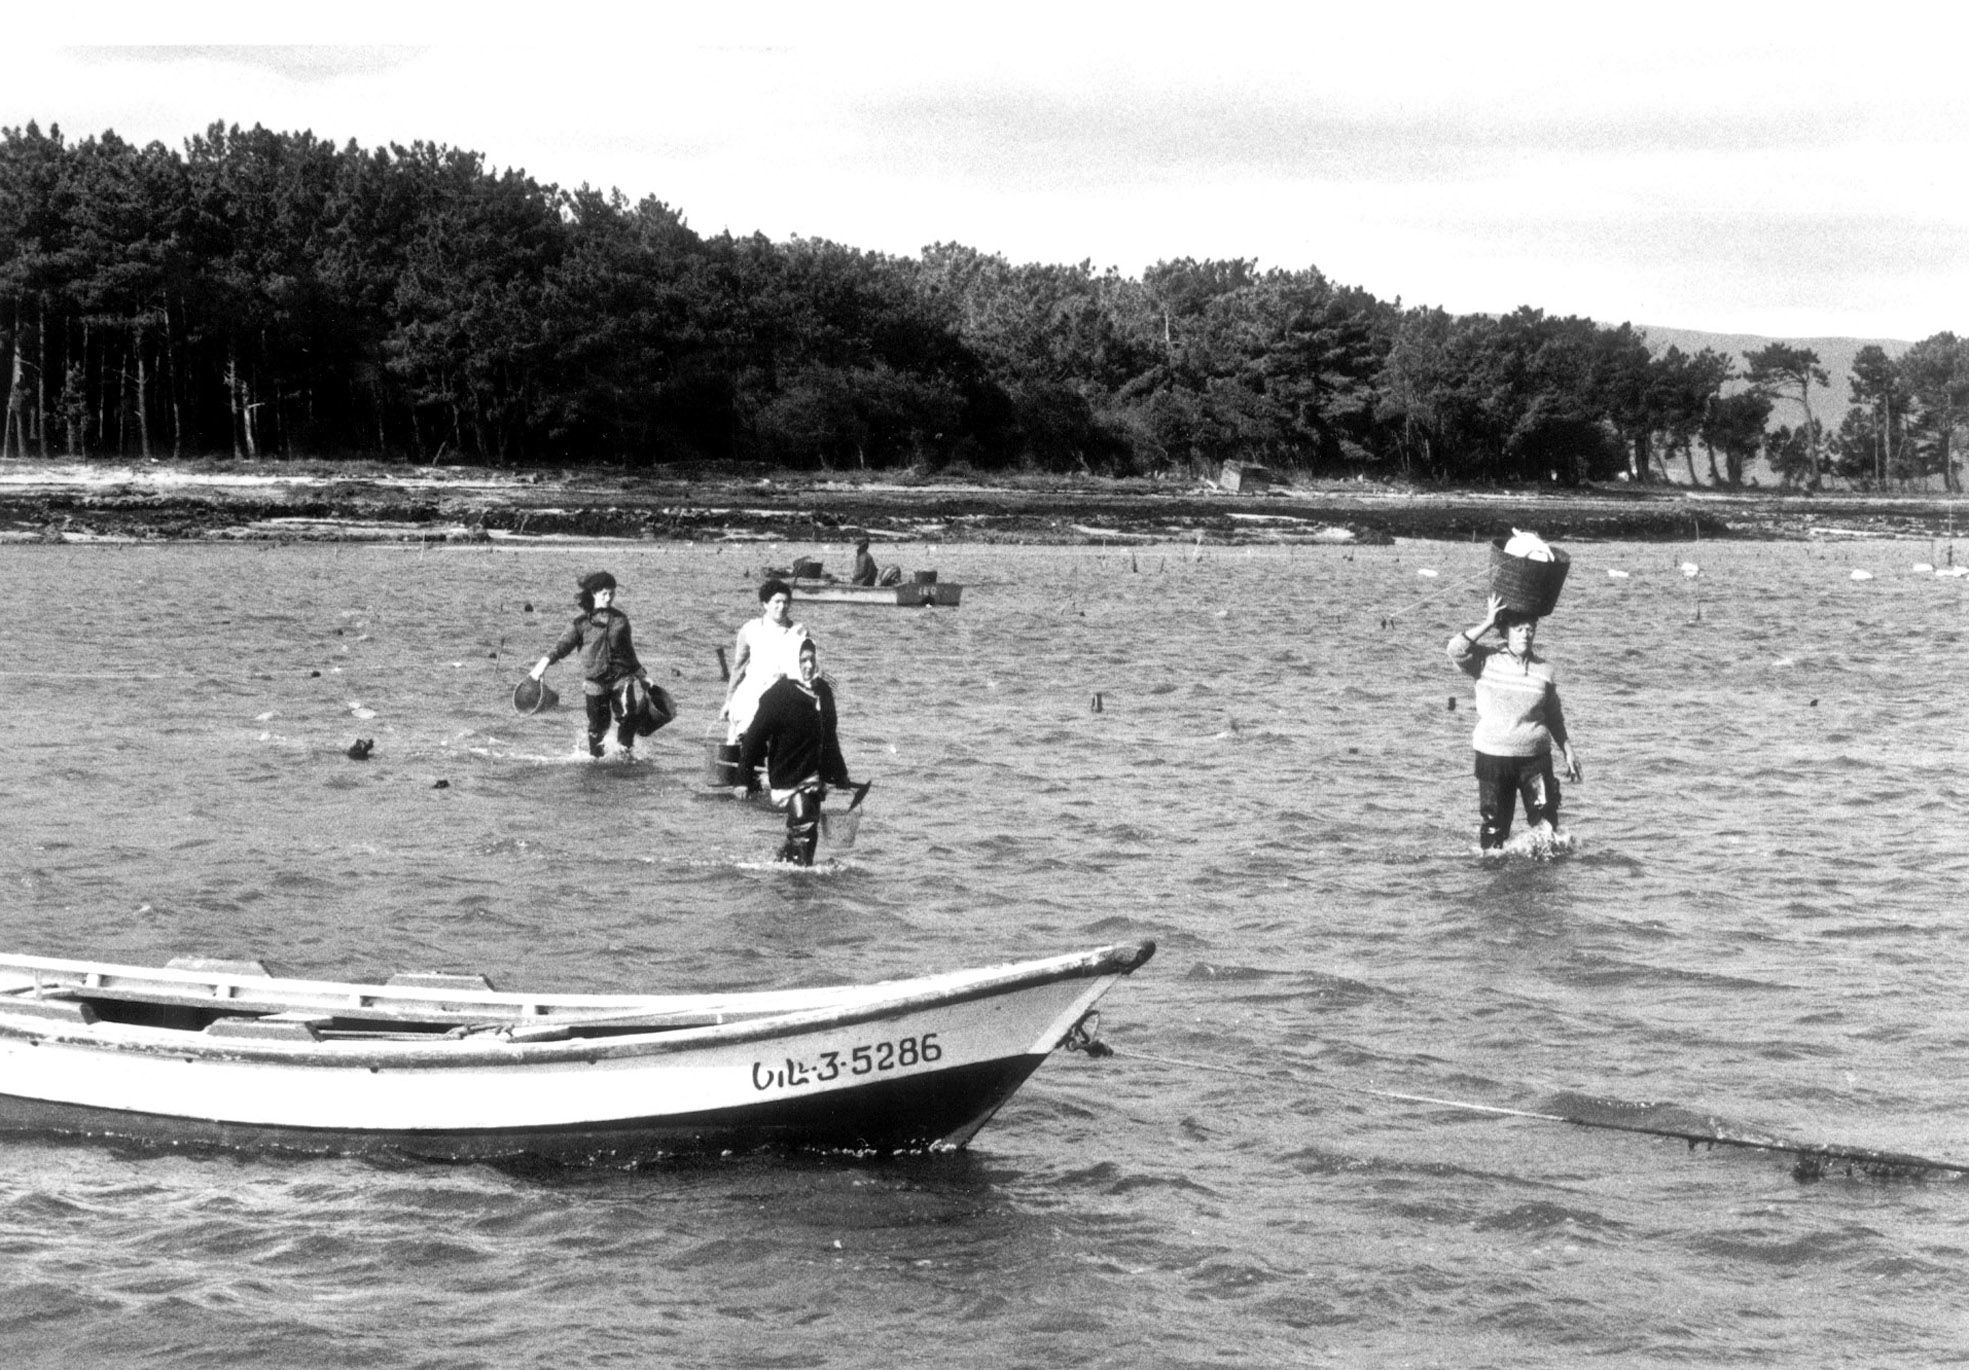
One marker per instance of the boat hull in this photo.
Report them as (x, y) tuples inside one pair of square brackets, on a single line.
[(907, 595), (910, 1065), (936, 1112)]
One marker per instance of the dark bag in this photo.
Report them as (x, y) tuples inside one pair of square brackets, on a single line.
[(649, 706)]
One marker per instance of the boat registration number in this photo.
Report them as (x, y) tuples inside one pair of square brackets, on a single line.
[(900, 1054)]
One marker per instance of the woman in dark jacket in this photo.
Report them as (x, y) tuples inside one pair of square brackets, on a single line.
[(794, 734), (608, 661)]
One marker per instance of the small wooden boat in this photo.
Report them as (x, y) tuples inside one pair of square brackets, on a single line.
[(446, 1067), (908, 594)]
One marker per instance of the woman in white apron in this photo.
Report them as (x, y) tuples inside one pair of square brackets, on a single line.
[(768, 648)]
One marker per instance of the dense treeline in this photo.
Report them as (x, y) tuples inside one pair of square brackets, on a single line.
[(267, 294)]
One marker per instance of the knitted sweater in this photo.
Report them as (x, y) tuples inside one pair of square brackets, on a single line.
[(1518, 711)]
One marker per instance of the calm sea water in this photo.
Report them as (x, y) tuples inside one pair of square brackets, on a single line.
[(1763, 920)]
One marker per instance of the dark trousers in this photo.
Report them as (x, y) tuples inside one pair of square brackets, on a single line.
[(802, 826), (1501, 781), (600, 716)]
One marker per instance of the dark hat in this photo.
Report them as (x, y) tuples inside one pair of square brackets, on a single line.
[(807, 644), (597, 580)]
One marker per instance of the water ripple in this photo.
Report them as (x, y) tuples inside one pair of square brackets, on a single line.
[(1761, 917)]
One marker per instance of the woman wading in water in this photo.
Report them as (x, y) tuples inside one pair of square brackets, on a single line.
[(1519, 722), (794, 732), (608, 663), (768, 649)]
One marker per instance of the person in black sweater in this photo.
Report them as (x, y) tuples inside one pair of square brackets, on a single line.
[(793, 733), (608, 662)]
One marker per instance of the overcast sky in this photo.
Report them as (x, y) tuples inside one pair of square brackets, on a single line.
[(1729, 167)]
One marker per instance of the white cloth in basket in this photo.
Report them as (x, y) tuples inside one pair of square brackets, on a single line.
[(1530, 546)]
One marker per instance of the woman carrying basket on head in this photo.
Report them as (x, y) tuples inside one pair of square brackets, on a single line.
[(1519, 721), (610, 673)]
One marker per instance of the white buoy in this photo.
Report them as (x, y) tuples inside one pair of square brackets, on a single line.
[(1616, 575), (1425, 571), (1862, 575), (1691, 570)]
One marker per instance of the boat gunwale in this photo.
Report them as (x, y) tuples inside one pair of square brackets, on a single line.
[(452, 1005), (239, 989)]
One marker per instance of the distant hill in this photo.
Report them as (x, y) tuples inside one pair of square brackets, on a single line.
[(1835, 354)]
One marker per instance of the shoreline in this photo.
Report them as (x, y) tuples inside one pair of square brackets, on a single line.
[(277, 501)]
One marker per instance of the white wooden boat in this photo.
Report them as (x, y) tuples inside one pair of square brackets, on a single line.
[(908, 594), (446, 1067)]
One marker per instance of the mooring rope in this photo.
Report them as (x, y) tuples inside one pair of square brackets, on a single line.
[(1388, 620), (1814, 1158)]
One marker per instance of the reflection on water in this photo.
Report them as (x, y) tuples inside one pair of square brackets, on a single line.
[(1761, 920)]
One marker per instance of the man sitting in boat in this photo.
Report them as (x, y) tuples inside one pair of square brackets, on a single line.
[(793, 733), (865, 568), (868, 573)]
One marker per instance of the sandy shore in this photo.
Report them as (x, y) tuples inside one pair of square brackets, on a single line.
[(272, 500)]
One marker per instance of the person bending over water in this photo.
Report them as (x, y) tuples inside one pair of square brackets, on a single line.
[(1519, 721), (608, 661), (793, 733)]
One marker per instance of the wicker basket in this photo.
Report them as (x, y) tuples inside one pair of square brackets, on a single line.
[(1527, 586)]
